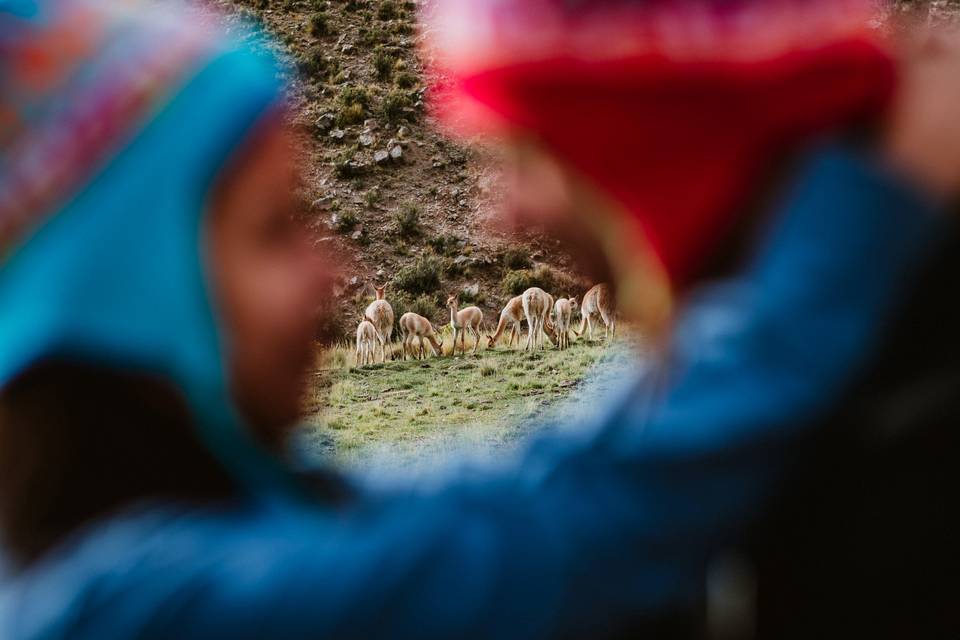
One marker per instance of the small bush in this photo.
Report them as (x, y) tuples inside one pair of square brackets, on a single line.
[(394, 105), (346, 222), (387, 10), (486, 371), (349, 115), (402, 29), (315, 63), (318, 24), (515, 259), (444, 245), (406, 80), (454, 269), (423, 304), (372, 197), (354, 95), (408, 221), (383, 64), (422, 276), (516, 282)]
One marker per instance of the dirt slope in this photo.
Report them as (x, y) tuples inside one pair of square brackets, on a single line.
[(420, 221)]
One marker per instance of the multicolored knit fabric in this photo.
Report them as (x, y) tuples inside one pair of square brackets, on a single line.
[(115, 118), (75, 82)]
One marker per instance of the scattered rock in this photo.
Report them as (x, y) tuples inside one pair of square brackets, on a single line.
[(337, 134), (356, 235), (403, 132), (461, 259), (354, 281), (366, 139), (396, 154), (381, 157), (325, 122), (347, 48), (472, 290), (370, 124), (462, 202), (319, 203), (380, 273)]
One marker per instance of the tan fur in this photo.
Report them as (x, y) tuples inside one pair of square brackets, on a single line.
[(536, 307), (463, 320), (511, 315), (380, 313), (599, 301), (563, 310), (416, 326), (366, 343)]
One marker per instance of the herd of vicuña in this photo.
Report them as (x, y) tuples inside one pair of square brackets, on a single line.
[(545, 317)]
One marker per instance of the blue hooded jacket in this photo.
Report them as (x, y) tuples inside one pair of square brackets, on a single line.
[(580, 534)]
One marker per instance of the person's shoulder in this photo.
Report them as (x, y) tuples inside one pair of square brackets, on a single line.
[(135, 563)]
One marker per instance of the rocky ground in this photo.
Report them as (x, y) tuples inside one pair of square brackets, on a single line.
[(384, 192)]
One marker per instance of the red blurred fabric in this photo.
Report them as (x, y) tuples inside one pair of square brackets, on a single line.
[(680, 144)]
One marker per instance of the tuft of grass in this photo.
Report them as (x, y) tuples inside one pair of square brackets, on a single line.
[(315, 64), (354, 102), (515, 258), (383, 63), (346, 222), (422, 276), (408, 220), (405, 80), (395, 104), (444, 245), (517, 281), (387, 10), (319, 24)]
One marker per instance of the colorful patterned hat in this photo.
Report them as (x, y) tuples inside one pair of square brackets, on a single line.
[(115, 118)]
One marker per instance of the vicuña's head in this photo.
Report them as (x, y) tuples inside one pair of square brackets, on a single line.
[(491, 341), (574, 304), (452, 301), (380, 291)]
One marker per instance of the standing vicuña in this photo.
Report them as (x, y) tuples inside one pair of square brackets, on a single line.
[(564, 309), (463, 320), (380, 313), (599, 301), (512, 315), (413, 326), (366, 343), (536, 307)]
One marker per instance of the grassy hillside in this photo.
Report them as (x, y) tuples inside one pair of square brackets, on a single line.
[(415, 411)]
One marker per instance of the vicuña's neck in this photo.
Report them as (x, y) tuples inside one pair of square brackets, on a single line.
[(501, 326)]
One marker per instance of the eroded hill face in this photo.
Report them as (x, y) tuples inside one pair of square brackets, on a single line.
[(391, 198)]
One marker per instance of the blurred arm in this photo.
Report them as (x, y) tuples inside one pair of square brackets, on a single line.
[(585, 534)]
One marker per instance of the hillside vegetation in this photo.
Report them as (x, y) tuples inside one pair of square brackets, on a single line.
[(389, 197)]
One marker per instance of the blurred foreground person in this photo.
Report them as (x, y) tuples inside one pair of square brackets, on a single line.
[(155, 329)]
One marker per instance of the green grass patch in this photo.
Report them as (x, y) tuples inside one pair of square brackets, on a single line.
[(409, 410)]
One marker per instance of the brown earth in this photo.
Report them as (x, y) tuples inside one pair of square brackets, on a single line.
[(358, 89)]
